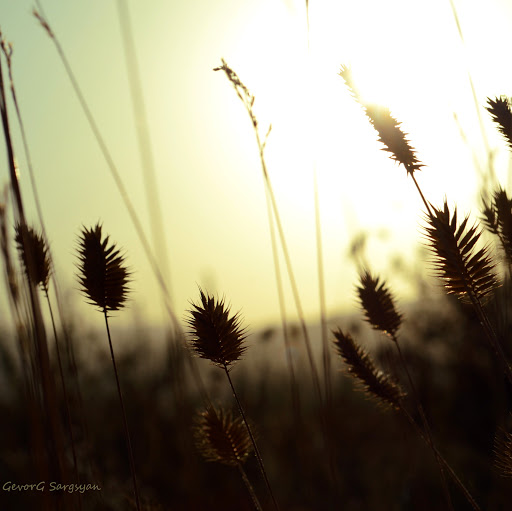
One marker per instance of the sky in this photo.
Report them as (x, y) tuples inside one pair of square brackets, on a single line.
[(406, 55)]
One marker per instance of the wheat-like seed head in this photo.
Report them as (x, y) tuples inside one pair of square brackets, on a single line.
[(503, 453), (390, 134), (222, 438), (240, 88), (43, 22), (37, 266), (6, 255), (215, 334), (466, 273), (378, 304), (373, 381), (502, 115), (497, 218), (102, 272)]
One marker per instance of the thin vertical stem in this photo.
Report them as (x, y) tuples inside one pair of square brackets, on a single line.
[(426, 425), (282, 310), (55, 447), (421, 193), (291, 276), (66, 397), (253, 441), (249, 487), (445, 464), (321, 291), (144, 141), (125, 421)]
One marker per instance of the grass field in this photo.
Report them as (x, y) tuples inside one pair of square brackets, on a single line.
[(396, 406)]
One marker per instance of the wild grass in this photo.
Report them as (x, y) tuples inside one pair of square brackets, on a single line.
[(436, 384)]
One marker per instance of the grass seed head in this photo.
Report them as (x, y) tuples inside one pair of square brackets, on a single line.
[(222, 438), (501, 114), (102, 272), (503, 453), (378, 304), (216, 335), (466, 272), (36, 264), (497, 218), (390, 133), (360, 365)]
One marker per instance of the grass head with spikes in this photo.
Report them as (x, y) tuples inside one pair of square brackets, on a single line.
[(103, 275)]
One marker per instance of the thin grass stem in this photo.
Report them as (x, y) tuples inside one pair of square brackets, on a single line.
[(326, 355), (125, 421), (253, 441), (55, 447), (249, 487), (146, 154), (426, 425), (66, 395), (282, 310), (443, 461)]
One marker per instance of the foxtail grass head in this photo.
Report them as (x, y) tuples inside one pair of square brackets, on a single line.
[(222, 438), (497, 218), (360, 365), (33, 252), (378, 304), (466, 272), (216, 334), (390, 133), (102, 273), (501, 114), (503, 453)]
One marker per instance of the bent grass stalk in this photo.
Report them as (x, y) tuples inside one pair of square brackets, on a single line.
[(104, 280), (282, 311), (388, 393), (112, 168), (248, 100), (380, 311), (466, 274), (49, 408), (40, 16)]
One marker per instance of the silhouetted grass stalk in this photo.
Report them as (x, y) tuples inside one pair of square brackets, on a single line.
[(39, 274), (39, 14), (251, 435), (144, 141), (217, 336), (380, 311), (112, 168), (49, 406), (386, 392), (104, 281), (465, 274), (282, 312), (248, 100), (224, 439)]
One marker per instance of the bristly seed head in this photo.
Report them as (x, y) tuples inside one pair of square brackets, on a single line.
[(222, 438), (501, 114), (215, 334), (378, 305), (503, 453), (498, 219), (102, 272), (361, 366), (390, 134), (467, 273), (37, 265)]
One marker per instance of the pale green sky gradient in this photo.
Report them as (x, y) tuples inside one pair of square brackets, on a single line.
[(209, 176)]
